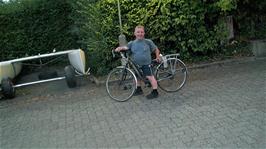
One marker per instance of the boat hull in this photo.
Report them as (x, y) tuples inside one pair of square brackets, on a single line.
[(77, 60), (9, 69)]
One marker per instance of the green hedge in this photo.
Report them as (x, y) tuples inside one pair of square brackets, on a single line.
[(193, 28), (35, 26), (174, 25)]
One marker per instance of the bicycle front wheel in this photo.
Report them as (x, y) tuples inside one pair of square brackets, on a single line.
[(171, 75), (121, 84)]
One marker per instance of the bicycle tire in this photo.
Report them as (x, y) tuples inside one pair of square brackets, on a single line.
[(171, 75), (121, 84)]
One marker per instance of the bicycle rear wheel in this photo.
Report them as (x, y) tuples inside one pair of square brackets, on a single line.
[(171, 75), (121, 84)]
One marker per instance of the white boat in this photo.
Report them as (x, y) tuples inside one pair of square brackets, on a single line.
[(10, 69), (77, 60)]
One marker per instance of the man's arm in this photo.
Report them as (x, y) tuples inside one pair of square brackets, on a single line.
[(118, 49), (123, 48), (157, 53)]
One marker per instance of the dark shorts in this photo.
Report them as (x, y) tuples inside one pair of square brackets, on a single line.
[(146, 69)]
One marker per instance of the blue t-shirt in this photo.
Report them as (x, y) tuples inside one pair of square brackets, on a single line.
[(141, 51)]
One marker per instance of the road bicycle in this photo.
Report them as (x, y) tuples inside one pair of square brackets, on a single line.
[(121, 83)]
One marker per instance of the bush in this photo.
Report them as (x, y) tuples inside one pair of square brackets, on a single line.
[(35, 26), (193, 28), (174, 25)]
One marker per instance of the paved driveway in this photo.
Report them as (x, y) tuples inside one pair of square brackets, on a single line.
[(220, 106)]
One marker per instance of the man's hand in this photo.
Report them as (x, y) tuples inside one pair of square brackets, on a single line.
[(158, 59), (118, 49)]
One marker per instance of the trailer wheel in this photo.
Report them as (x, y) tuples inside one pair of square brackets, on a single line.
[(7, 88), (70, 77)]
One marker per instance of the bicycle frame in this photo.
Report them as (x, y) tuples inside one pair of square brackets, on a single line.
[(128, 63), (129, 71)]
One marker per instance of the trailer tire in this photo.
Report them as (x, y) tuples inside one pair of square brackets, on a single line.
[(7, 88), (70, 77)]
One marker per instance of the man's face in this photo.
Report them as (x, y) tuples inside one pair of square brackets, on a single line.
[(139, 33)]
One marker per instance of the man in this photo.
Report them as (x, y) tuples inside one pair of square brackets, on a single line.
[(141, 49)]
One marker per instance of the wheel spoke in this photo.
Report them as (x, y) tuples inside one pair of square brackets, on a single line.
[(173, 77), (121, 84)]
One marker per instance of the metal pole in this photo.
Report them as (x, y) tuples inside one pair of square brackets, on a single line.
[(119, 15), (122, 38)]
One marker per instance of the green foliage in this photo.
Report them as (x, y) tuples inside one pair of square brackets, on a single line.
[(35, 26), (251, 19), (175, 25), (226, 5), (237, 49), (97, 38), (196, 29)]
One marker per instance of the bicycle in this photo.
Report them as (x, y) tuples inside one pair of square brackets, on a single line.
[(121, 83)]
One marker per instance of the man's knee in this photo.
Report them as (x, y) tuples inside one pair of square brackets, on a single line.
[(151, 78)]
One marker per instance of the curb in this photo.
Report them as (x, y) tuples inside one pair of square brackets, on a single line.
[(202, 66), (228, 61)]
